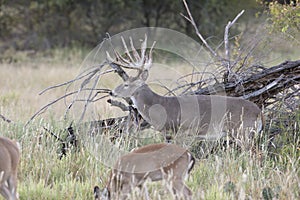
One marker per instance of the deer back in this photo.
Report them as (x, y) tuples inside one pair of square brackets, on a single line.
[(158, 156)]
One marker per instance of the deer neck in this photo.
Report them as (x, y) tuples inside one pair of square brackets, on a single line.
[(144, 98)]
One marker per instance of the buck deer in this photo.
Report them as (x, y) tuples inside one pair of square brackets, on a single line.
[(9, 159), (206, 116), (152, 162)]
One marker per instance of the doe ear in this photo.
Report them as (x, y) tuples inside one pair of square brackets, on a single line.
[(97, 192), (144, 75)]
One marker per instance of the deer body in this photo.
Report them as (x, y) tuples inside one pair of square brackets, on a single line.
[(9, 159), (194, 111), (206, 116), (155, 162)]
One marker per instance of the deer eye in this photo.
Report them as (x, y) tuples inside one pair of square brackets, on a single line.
[(126, 85)]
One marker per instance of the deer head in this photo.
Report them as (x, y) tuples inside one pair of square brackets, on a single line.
[(140, 62)]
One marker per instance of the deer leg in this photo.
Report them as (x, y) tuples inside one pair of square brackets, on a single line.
[(12, 185), (96, 192), (4, 191), (180, 189), (146, 192), (125, 191)]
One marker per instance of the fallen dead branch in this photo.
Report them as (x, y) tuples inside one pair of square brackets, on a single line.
[(262, 86)]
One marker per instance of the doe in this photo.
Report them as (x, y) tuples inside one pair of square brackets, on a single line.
[(9, 159), (153, 162)]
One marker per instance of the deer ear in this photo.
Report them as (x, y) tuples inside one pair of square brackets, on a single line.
[(105, 193), (96, 192), (144, 75)]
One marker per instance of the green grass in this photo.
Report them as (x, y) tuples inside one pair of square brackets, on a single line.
[(223, 175)]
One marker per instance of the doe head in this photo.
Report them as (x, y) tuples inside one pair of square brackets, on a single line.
[(103, 194)]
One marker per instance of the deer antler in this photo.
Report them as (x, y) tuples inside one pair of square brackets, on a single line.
[(135, 60)]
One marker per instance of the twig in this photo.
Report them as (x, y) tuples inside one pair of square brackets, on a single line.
[(118, 104), (119, 71), (262, 90), (116, 67), (89, 97), (5, 119), (226, 33), (244, 58), (44, 108), (41, 110), (191, 20), (81, 88), (191, 84), (80, 76), (95, 100), (51, 133)]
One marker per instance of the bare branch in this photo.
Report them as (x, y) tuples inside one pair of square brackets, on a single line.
[(89, 97), (52, 134), (94, 99), (119, 71), (5, 119), (264, 89), (226, 41), (191, 20), (80, 76), (261, 84), (45, 107), (118, 104)]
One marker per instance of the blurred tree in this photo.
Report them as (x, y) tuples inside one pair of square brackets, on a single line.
[(6, 19), (277, 1), (43, 24)]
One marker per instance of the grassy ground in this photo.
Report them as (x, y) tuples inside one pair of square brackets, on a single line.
[(224, 175)]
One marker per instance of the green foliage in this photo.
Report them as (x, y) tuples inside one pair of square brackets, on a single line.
[(7, 19), (285, 17)]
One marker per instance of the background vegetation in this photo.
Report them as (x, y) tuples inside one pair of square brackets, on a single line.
[(43, 43), (44, 24)]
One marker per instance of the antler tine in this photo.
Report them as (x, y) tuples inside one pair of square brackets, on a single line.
[(126, 49), (108, 57), (121, 60), (148, 62), (135, 53), (143, 49), (117, 61), (139, 61), (136, 61)]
